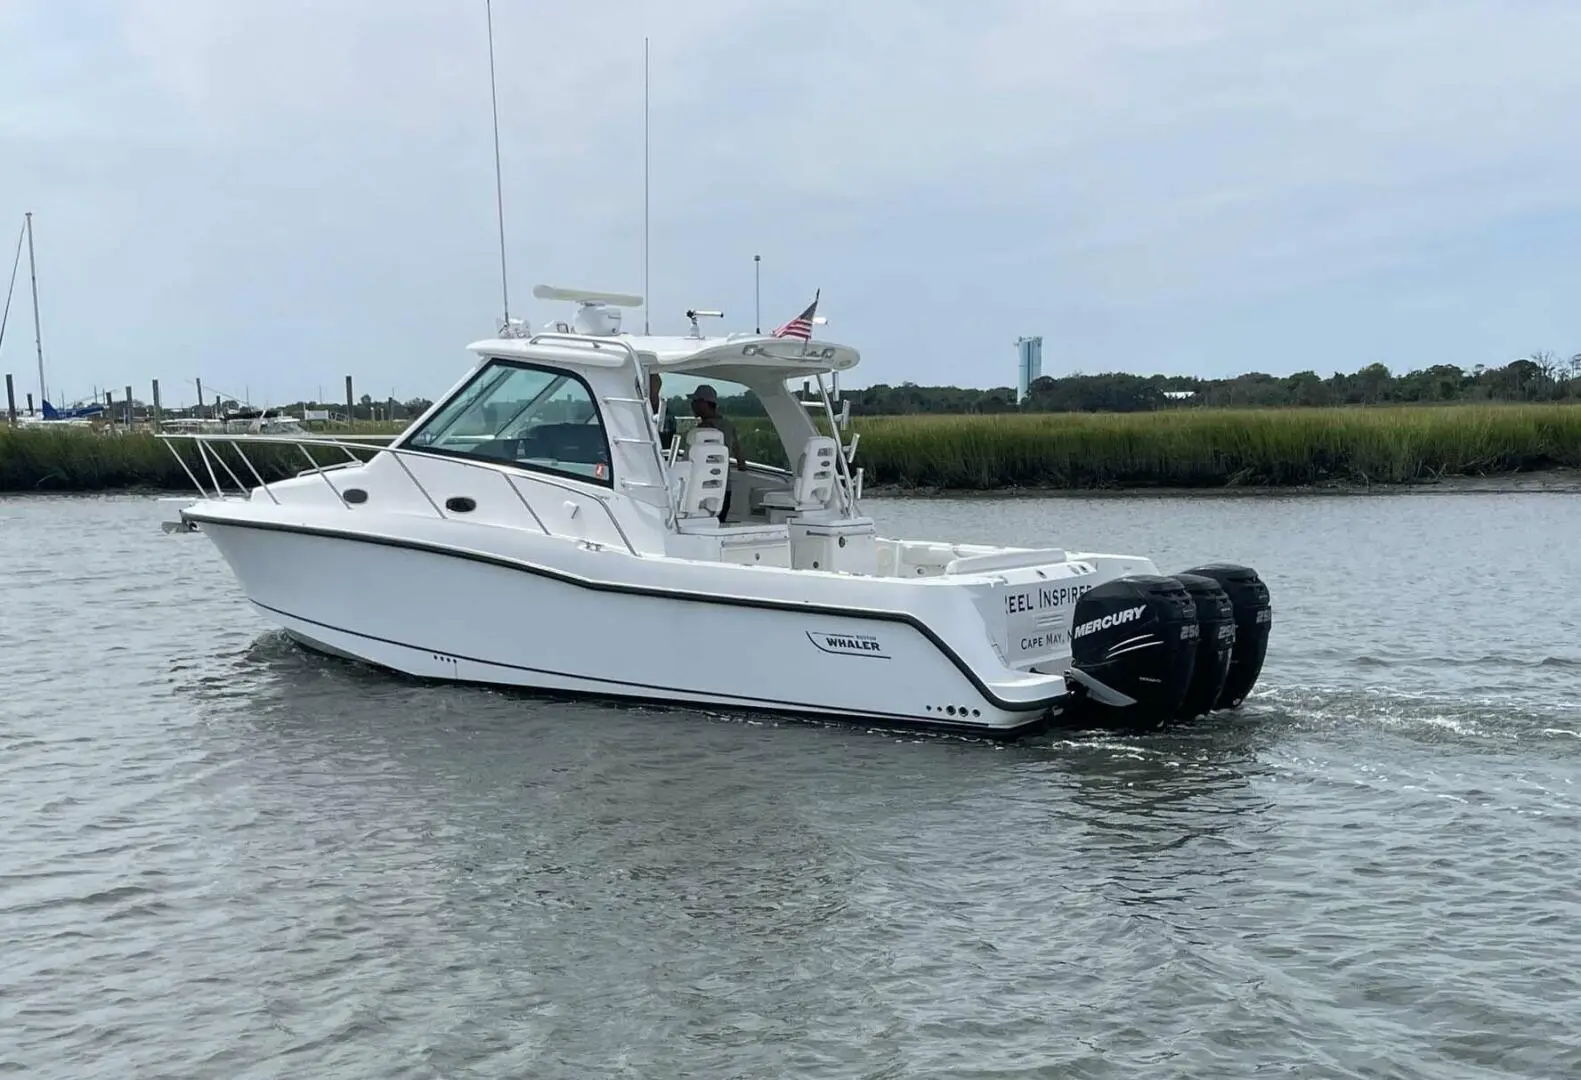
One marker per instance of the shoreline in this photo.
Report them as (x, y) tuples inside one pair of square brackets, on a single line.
[(1560, 480), (1252, 453)]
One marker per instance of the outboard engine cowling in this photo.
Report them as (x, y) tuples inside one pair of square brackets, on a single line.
[(1215, 643), (1253, 620), (1133, 644)]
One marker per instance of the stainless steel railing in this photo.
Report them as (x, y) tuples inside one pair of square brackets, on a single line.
[(209, 457)]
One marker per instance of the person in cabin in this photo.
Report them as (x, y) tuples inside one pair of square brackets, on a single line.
[(667, 429), (705, 406)]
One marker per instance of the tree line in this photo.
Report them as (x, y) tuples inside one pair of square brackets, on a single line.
[(1543, 376), (1539, 377)]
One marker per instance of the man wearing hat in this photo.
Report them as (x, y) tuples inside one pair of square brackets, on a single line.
[(705, 406)]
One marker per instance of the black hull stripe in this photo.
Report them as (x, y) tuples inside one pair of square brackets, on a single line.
[(876, 615), (635, 690)]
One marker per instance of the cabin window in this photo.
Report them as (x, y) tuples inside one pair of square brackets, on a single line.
[(532, 417)]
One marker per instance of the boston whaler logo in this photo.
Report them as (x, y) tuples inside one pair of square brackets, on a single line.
[(848, 644), (1118, 618)]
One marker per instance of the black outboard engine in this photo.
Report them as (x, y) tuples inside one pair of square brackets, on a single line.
[(1133, 644), (1215, 643), (1254, 618)]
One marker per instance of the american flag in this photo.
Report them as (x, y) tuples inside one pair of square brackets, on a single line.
[(801, 325)]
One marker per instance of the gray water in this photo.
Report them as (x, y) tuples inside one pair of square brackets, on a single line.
[(226, 857)]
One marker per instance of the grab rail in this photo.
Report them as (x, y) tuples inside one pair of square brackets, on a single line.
[(209, 456), (631, 354)]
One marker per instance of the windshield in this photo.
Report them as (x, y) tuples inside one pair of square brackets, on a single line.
[(536, 418)]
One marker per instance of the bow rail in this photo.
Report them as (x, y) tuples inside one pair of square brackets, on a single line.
[(216, 489)]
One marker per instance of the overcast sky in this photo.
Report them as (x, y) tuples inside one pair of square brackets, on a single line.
[(271, 194)]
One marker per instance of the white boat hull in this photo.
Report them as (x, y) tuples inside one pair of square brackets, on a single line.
[(510, 539), (461, 615)]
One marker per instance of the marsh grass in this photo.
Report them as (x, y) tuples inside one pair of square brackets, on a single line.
[(1188, 448), (66, 459), (1195, 448)]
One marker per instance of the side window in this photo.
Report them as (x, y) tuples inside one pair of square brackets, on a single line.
[(532, 417)]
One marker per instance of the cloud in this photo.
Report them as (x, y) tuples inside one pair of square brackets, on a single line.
[(273, 191)]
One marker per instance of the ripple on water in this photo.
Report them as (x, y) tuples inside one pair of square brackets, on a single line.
[(230, 857)]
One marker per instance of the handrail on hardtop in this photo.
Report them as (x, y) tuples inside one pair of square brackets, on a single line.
[(396, 452), (594, 340)]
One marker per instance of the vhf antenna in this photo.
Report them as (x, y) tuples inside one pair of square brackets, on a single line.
[(499, 189), (647, 299)]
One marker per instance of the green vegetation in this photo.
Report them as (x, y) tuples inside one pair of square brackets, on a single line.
[(77, 459), (1542, 377), (1197, 448), (1182, 448)]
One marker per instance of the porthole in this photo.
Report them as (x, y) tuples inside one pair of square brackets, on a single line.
[(354, 496), (461, 504)]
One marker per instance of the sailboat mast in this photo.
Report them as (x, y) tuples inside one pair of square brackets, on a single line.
[(38, 335)]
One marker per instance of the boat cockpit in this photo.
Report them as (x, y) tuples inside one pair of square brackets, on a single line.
[(576, 406), (556, 433)]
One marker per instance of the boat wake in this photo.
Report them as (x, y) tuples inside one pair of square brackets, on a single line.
[(1428, 716), (1491, 661)]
